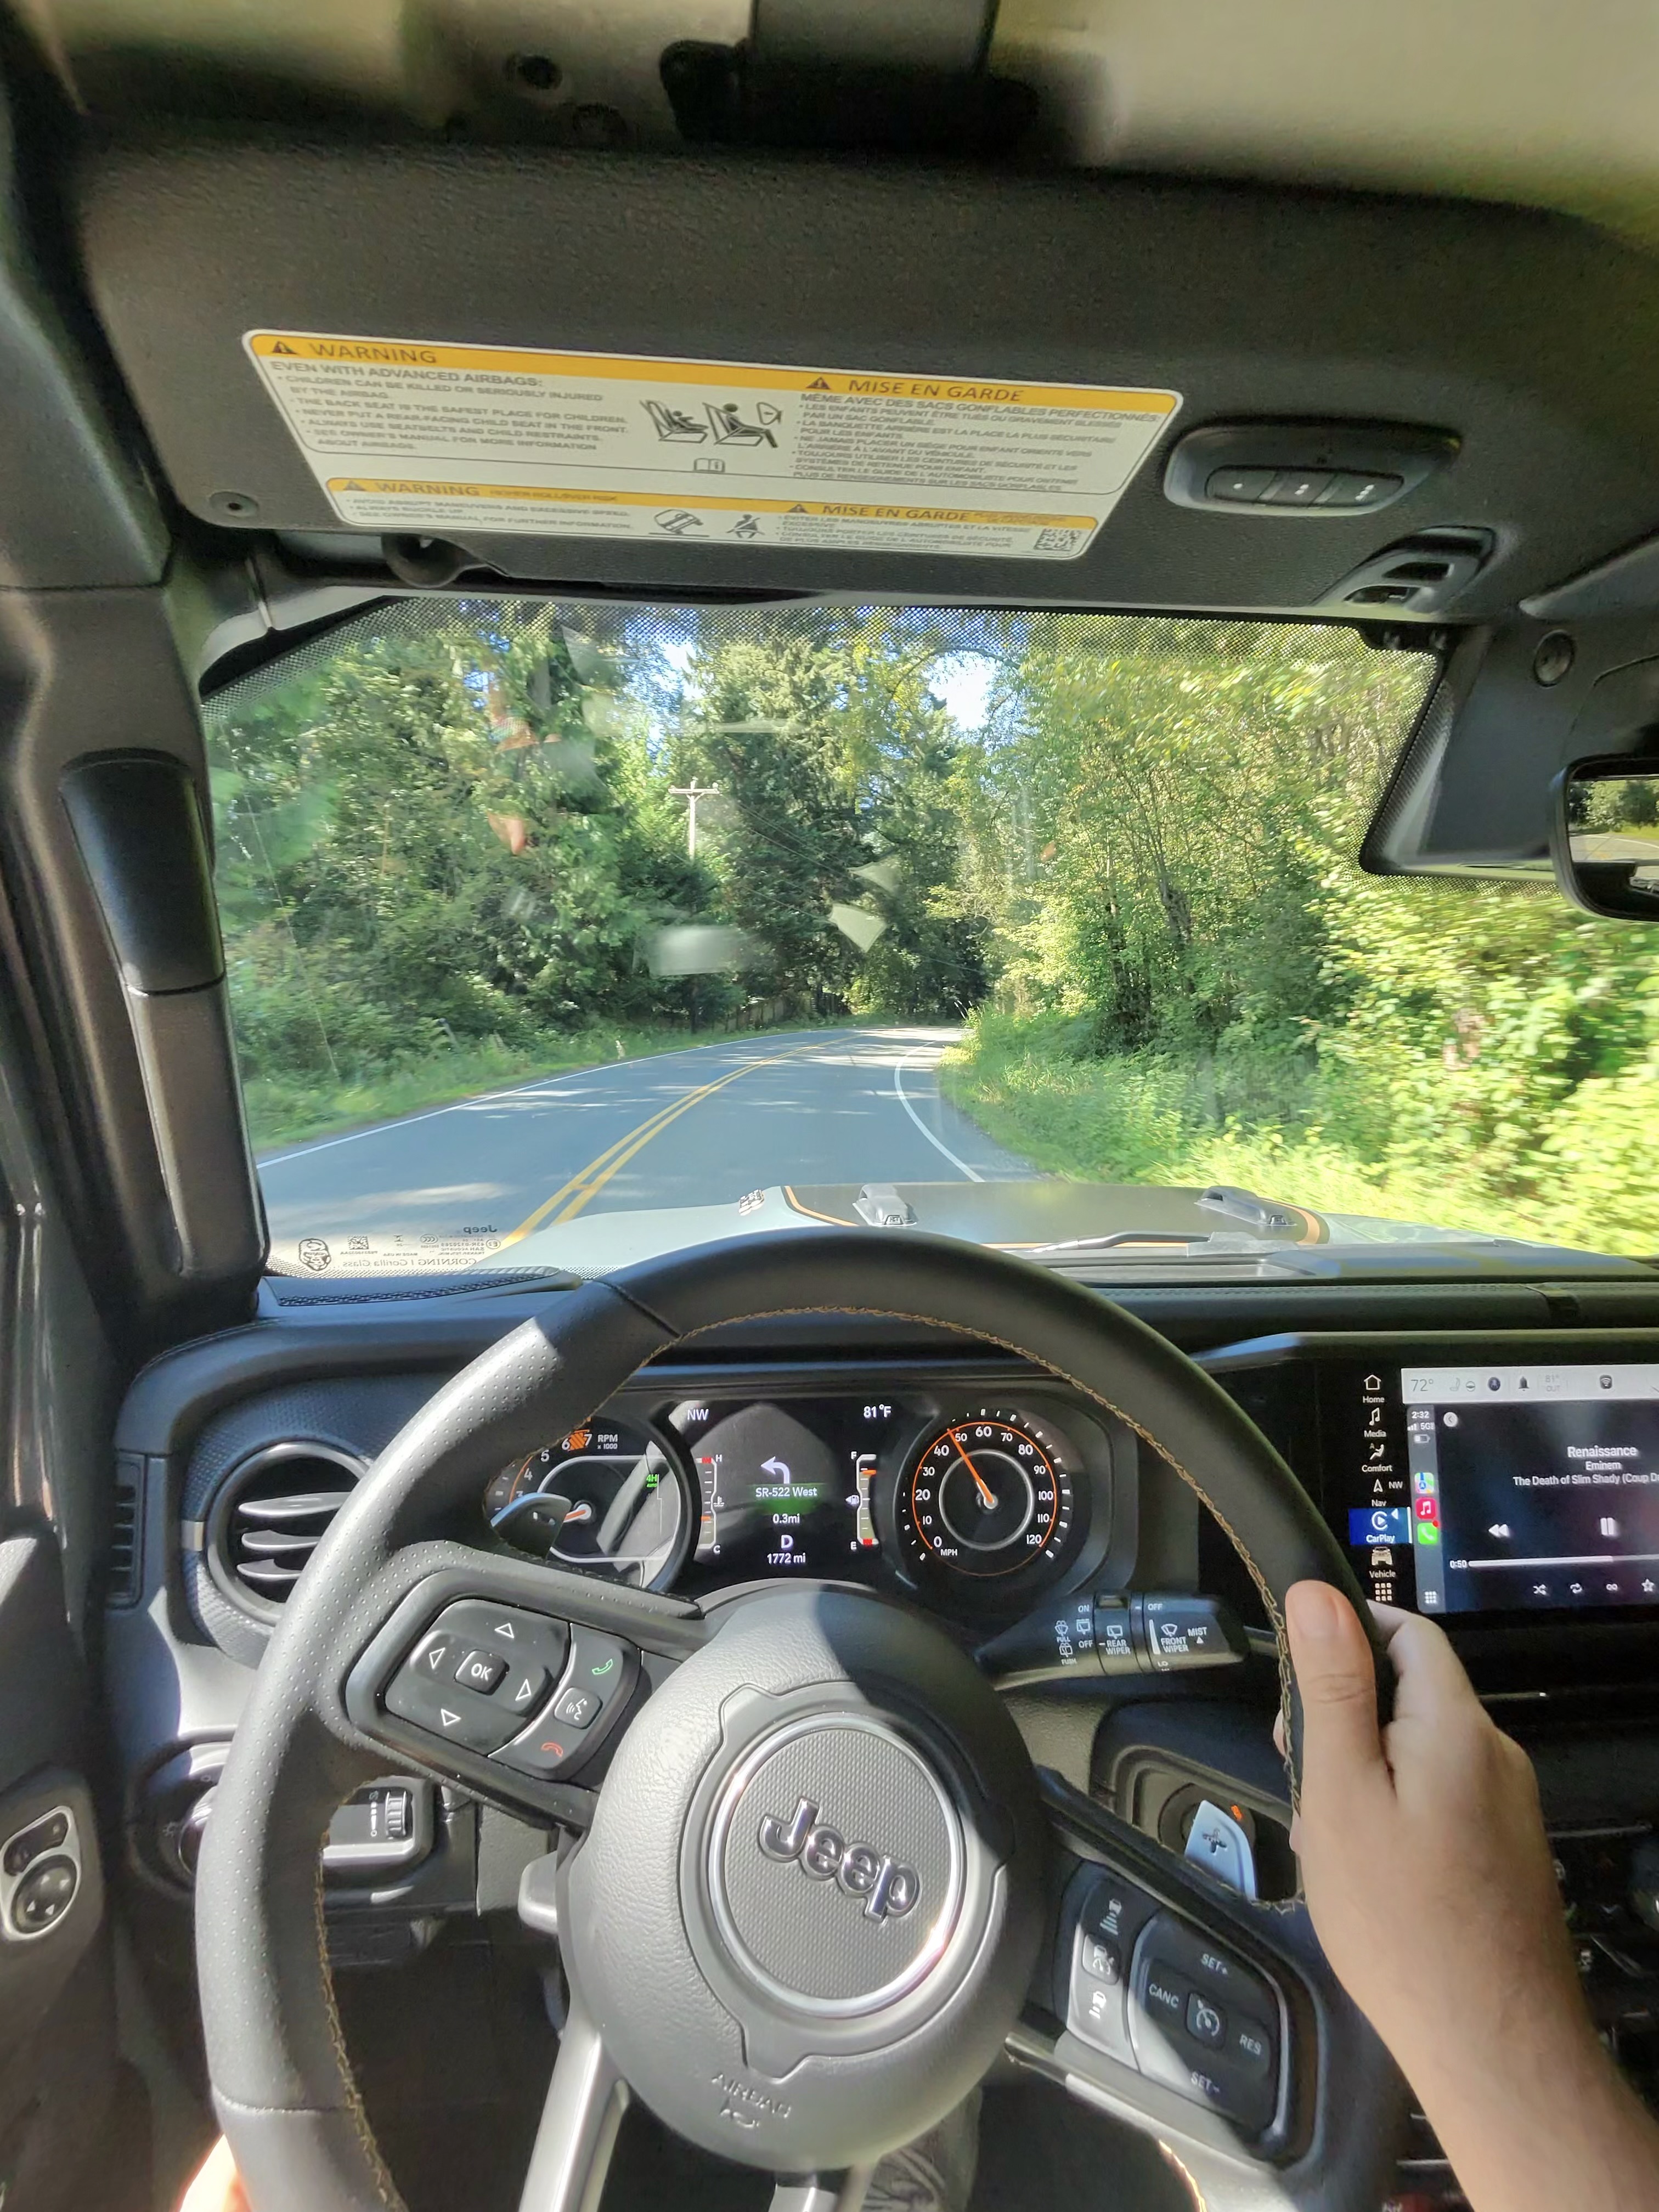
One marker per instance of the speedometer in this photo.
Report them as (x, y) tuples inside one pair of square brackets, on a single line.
[(607, 1498), (991, 1495)]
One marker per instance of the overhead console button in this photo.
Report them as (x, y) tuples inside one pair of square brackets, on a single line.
[(1297, 488), (1239, 487), (1329, 468), (1353, 489)]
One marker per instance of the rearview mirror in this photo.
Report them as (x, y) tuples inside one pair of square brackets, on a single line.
[(1606, 846)]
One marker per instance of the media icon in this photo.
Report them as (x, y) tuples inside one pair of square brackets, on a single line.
[(1427, 1510)]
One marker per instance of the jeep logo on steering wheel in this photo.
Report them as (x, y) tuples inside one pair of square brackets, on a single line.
[(889, 1890)]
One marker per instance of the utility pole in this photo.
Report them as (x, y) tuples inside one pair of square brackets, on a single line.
[(691, 792)]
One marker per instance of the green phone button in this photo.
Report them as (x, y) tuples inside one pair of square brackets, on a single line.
[(605, 1665)]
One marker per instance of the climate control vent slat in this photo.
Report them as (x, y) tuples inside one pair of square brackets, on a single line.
[(266, 1576), (269, 1515), (305, 1507)]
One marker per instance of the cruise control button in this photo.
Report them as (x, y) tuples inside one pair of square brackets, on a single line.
[(1111, 1915), (1164, 1996), (481, 1671), (1251, 2047), (1215, 2048), (1101, 1959), (1205, 2023)]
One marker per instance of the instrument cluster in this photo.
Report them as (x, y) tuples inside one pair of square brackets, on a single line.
[(978, 1507)]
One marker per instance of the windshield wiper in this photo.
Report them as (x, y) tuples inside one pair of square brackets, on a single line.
[(1177, 1244), (1137, 1237)]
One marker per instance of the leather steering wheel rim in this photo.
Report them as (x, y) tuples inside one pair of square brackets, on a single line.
[(282, 2082)]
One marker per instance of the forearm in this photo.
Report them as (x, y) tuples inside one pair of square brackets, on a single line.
[(1537, 2117)]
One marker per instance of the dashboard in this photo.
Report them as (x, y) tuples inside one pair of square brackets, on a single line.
[(979, 1506), (1500, 1474)]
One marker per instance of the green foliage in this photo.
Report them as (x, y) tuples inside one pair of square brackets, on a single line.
[(1200, 984), (440, 844), (449, 851)]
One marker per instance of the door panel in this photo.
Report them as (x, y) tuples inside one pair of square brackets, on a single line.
[(59, 2065)]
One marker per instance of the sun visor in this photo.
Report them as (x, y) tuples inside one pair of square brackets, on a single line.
[(707, 375)]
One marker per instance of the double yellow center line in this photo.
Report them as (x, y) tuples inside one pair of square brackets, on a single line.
[(567, 1201)]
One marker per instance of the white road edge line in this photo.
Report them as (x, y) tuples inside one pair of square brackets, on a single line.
[(538, 1083), (937, 1143)]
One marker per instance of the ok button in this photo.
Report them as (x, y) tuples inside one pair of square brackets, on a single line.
[(481, 1671)]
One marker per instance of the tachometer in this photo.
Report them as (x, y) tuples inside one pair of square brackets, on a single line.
[(992, 1494), (607, 1498)]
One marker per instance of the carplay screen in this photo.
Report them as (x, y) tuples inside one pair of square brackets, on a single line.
[(1494, 1489)]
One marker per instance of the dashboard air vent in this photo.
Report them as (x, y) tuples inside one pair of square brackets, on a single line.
[(270, 1515), (122, 1572)]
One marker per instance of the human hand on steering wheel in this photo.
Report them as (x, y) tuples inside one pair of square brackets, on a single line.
[(819, 1887), (1431, 1886)]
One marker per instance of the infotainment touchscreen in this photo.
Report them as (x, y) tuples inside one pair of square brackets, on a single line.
[(1494, 1489)]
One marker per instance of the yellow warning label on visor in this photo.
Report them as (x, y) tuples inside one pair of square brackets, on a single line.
[(411, 436)]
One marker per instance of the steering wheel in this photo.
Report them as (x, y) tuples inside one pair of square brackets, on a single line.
[(821, 1888)]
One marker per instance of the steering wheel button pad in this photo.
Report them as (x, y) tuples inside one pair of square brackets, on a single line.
[(476, 1672), (1200, 2019), (1111, 1915), (586, 1694)]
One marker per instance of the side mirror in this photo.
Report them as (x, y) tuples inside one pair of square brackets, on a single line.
[(1605, 845)]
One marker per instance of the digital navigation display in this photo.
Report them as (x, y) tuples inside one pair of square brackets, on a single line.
[(1498, 1489)]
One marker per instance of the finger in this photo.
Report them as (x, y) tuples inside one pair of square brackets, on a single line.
[(1390, 1619), (1428, 1677), (1342, 1746), (216, 2186)]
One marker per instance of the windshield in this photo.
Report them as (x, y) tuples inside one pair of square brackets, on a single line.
[(560, 935)]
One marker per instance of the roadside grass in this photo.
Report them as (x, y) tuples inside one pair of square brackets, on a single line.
[(288, 1109), (1148, 1121)]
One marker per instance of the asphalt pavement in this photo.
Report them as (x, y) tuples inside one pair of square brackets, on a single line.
[(698, 1128)]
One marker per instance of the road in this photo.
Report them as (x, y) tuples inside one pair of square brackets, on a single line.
[(698, 1127)]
